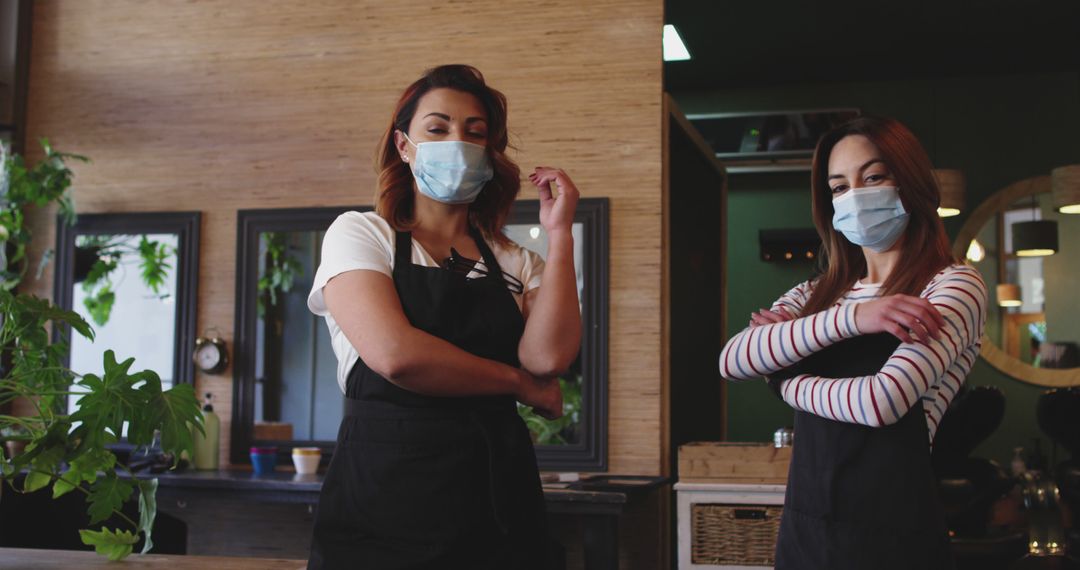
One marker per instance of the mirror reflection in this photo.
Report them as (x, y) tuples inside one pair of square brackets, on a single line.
[(133, 277), (1033, 317), (296, 392), (567, 429), (119, 280)]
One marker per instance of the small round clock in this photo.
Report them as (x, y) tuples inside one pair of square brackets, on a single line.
[(210, 355)]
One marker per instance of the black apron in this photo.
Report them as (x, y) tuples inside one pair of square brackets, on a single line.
[(857, 497), (424, 482)]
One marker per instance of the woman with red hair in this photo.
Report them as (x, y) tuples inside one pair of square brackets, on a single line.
[(441, 324), (869, 354)]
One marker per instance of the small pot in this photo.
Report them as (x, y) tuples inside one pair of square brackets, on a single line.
[(306, 459), (263, 459)]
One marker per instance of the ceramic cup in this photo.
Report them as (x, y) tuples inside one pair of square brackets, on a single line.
[(306, 459)]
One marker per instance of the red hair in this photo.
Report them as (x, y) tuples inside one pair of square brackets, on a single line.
[(925, 248), (394, 197)]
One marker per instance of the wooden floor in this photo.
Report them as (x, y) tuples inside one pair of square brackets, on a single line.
[(31, 559)]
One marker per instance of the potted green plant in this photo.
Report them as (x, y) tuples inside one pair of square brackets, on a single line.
[(70, 452)]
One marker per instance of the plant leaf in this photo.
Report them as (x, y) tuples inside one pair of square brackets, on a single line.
[(84, 468), (107, 495), (147, 510), (116, 544), (174, 412), (109, 401), (43, 467)]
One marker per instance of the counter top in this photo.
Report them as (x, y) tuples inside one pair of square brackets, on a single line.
[(600, 488), (35, 559)]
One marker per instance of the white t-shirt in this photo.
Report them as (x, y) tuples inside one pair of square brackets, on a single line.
[(363, 240)]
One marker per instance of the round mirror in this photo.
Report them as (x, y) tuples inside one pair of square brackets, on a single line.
[(1032, 321)]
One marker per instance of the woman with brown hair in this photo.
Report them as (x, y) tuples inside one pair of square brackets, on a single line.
[(869, 354), (441, 324)]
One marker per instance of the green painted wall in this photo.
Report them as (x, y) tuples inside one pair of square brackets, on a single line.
[(997, 129)]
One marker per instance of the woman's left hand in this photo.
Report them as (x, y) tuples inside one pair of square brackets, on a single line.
[(556, 210)]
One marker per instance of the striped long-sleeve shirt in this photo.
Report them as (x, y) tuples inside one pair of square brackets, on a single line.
[(930, 372)]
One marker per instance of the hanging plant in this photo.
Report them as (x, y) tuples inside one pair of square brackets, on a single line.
[(97, 257), (48, 181), (280, 273)]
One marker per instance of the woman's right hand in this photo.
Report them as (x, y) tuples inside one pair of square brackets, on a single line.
[(900, 316), (543, 394)]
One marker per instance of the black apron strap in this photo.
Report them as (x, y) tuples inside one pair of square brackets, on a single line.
[(402, 250)]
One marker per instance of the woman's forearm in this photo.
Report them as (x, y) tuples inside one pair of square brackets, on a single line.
[(429, 365), (552, 335), (766, 349)]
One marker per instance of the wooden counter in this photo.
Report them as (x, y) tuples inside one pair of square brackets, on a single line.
[(32, 559)]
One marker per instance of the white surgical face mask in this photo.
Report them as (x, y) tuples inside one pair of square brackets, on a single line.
[(872, 217), (451, 172)]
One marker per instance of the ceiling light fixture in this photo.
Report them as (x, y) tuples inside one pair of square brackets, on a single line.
[(951, 184), (674, 48), (1008, 295), (1065, 185)]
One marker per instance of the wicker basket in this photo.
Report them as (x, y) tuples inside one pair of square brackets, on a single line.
[(734, 534)]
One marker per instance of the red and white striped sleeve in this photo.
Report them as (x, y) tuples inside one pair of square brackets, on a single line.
[(763, 350), (794, 300), (914, 371)]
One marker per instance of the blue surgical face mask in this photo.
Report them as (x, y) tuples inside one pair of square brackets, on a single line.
[(451, 172), (872, 217)]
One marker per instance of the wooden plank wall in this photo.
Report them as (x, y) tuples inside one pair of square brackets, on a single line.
[(219, 105)]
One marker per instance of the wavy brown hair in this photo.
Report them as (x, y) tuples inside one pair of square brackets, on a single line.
[(394, 197), (924, 247)]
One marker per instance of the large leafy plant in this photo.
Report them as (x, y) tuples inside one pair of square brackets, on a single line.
[(70, 452)]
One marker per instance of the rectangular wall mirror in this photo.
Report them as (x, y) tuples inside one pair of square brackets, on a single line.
[(134, 278), (578, 440), (285, 390)]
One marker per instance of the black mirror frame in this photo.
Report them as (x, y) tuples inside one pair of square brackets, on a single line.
[(251, 223), (184, 224), (590, 454)]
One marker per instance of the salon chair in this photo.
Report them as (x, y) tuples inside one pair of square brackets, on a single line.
[(970, 486)]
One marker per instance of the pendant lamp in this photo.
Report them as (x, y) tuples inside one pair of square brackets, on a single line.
[(951, 184), (1008, 295), (1065, 185), (1036, 238)]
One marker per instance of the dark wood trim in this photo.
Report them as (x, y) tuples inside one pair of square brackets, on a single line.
[(249, 224), (21, 89), (185, 225), (590, 454)]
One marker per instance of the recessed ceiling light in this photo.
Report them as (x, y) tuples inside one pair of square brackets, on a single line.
[(674, 48)]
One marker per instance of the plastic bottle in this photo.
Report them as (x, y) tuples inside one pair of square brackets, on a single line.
[(206, 446)]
